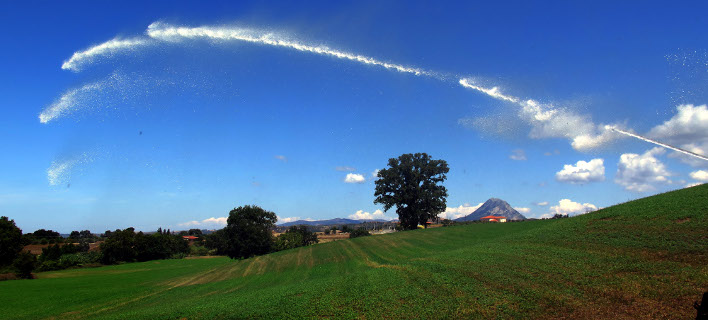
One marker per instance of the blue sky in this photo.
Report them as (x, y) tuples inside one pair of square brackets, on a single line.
[(174, 130)]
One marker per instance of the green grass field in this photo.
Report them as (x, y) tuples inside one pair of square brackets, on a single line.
[(639, 260)]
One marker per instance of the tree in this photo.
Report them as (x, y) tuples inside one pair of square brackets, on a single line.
[(248, 231), (413, 184), (24, 264), (359, 232), (10, 240)]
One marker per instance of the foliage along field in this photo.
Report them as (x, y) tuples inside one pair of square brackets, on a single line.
[(643, 259)]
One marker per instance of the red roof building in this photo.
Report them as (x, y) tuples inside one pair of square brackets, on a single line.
[(493, 219), (190, 238)]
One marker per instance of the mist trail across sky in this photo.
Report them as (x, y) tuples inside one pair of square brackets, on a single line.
[(634, 135), (546, 120)]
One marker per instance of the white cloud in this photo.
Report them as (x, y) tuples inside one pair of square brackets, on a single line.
[(375, 174), (362, 215), (459, 212), (522, 210), (639, 173), (212, 222), (281, 158), (286, 220), (542, 204), (583, 172), (354, 178), (693, 184), (700, 175), (568, 207), (518, 155), (688, 129), (345, 168)]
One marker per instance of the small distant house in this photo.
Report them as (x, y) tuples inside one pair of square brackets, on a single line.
[(493, 219), (190, 238)]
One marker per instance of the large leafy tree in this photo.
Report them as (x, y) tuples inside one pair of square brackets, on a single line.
[(10, 240), (413, 184), (248, 233)]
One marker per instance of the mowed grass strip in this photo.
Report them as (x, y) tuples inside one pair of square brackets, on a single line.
[(643, 259)]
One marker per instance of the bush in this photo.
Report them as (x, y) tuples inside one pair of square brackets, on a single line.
[(79, 259), (361, 232), (198, 251), (24, 264)]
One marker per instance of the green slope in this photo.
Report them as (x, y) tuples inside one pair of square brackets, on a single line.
[(643, 259)]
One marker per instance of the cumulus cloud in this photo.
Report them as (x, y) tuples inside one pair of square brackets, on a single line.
[(569, 207), (688, 129), (354, 178), (582, 172), (700, 175), (212, 222), (459, 212), (362, 215), (345, 168), (522, 210), (518, 154), (639, 173), (281, 158)]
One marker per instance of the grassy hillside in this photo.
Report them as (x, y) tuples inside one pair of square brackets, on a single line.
[(643, 259)]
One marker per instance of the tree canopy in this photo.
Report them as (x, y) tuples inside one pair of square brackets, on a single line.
[(247, 232), (10, 240), (413, 184)]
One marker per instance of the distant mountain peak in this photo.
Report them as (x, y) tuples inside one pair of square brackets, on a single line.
[(494, 207)]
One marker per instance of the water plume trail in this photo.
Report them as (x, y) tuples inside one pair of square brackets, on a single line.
[(109, 47), (165, 32), (633, 135)]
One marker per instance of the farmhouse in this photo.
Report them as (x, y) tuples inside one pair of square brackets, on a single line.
[(493, 219)]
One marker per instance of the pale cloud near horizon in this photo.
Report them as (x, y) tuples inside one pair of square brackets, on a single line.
[(541, 204), (582, 172), (287, 219), (459, 212), (640, 173), (569, 207), (363, 215), (345, 168), (212, 222), (518, 155), (354, 178)]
